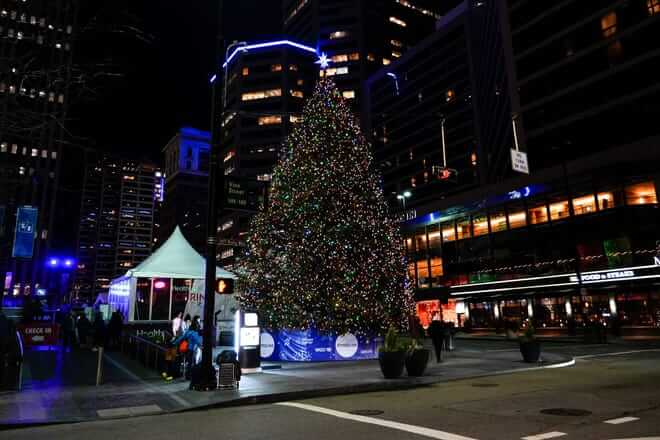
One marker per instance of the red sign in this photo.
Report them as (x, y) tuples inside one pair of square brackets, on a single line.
[(39, 334)]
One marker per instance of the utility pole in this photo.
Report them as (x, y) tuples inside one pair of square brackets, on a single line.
[(216, 182)]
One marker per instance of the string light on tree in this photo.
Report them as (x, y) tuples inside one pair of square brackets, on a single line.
[(325, 253)]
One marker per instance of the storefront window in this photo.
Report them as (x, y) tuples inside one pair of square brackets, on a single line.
[(142, 299), (538, 214), (498, 222), (180, 292), (606, 200), (426, 310), (481, 315), (434, 236), (584, 205), (559, 210), (517, 219), (436, 270), (160, 309), (639, 309), (480, 224), (463, 229), (641, 194), (410, 248), (550, 312), (423, 274), (448, 232)]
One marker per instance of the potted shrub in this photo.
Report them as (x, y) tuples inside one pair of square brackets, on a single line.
[(417, 359), (530, 347), (392, 355)]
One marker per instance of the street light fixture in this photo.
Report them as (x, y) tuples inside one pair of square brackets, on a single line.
[(403, 197)]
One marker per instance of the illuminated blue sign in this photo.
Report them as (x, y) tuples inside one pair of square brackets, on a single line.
[(26, 232), (267, 45)]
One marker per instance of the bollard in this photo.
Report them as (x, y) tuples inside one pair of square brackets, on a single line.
[(99, 367)]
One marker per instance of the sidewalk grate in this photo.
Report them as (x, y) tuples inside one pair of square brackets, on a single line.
[(566, 412)]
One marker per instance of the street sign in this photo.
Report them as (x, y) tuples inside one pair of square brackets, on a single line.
[(243, 194), (26, 232), (519, 161)]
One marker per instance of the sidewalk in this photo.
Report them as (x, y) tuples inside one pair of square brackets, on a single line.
[(132, 391)]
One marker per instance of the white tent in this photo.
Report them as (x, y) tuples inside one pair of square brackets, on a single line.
[(176, 259)]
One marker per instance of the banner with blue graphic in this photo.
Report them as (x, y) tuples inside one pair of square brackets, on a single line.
[(26, 227), (311, 346)]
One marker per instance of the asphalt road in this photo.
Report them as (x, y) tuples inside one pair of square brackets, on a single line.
[(605, 398)]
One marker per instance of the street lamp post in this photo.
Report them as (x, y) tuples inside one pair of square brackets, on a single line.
[(403, 197), (216, 181)]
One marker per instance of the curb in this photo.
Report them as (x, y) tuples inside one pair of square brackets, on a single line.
[(390, 385)]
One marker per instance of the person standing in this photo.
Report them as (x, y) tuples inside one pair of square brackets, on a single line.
[(436, 332), (177, 324), (68, 331), (100, 332), (194, 344), (115, 328), (84, 330)]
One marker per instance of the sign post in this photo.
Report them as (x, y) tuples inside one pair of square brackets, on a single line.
[(519, 161), (26, 232)]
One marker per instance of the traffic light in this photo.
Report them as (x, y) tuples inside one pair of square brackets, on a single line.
[(225, 286)]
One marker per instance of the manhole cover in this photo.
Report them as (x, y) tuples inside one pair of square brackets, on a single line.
[(569, 412), (485, 385), (367, 412)]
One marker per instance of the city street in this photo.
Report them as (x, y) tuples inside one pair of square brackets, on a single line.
[(610, 396)]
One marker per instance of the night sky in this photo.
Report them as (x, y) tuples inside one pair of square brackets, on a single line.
[(164, 67)]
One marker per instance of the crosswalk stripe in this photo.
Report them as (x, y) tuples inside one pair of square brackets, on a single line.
[(547, 435), (419, 430), (621, 420)]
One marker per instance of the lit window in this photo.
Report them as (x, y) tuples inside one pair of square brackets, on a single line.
[(480, 225), (14, 149), (338, 34), (3, 147), (606, 200), (584, 205), (396, 43), (407, 4), (246, 71), (295, 119), (450, 95), (263, 94), (463, 229), (300, 82), (332, 71), (372, 57), (517, 219), (386, 62), (276, 68), (293, 68), (538, 214), (423, 273), (295, 10), (341, 58), (498, 222), (396, 54), (297, 93), (34, 152), (436, 268), (354, 56), (559, 210), (641, 194), (653, 6), (448, 232), (265, 177), (270, 120), (348, 94), (53, 155), (398, 21), (608, 24)]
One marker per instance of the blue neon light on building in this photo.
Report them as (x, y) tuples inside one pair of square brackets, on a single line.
[(268, 45)]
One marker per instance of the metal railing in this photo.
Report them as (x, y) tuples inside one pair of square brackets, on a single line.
[(147, 352)]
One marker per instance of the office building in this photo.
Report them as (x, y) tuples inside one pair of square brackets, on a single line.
[(266, 88), (572, 244), (359, 37), (117, 220), (35, 56), (185, 186)]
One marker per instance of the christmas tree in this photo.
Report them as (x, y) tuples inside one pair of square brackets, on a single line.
[(324, 253)]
